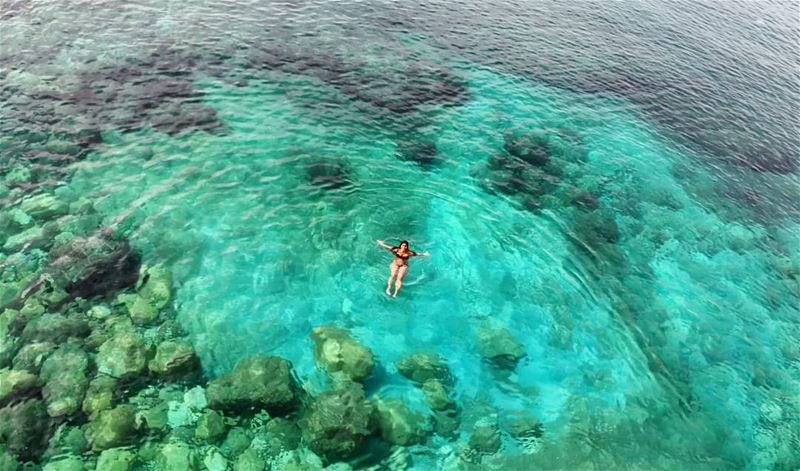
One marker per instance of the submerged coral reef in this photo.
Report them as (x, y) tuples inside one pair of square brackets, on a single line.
[(185, 234), (118, 395), (95, 375)]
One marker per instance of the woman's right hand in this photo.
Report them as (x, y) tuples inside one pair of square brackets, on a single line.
[(380, 242)]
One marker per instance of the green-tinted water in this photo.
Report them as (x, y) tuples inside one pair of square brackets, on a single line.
[(614, 291)]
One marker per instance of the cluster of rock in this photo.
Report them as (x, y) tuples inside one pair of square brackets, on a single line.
[(97, 386), (425, 82), (541, 169), (82, 330), (498, 346), (95, 374)]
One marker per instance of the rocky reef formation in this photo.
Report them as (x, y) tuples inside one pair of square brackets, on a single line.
[(329, 174), (25, 428), (338, 353), (531, 166), (422, 151), (375, 84), (153, 293), (123, 356), (175, 360), (256, 383), (116, 398), (65, 381), (95, 374), (112, 428), (337, 423), (423, 366), (98, 265), (398, 424), (430, 372), (497, 346)]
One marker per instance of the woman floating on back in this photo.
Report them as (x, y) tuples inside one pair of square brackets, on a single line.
[(399, 266)]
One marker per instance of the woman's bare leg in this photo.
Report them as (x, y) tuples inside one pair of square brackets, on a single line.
[(401, 273), (392, 274)]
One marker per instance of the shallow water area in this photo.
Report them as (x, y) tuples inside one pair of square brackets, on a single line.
[(654, 307)]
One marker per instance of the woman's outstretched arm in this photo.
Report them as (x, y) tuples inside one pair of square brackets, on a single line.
[(385, 246)]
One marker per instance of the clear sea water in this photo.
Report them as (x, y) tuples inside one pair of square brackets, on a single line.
[(672, 342)]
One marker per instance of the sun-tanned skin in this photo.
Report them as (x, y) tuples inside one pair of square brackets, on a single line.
[(399, 266)]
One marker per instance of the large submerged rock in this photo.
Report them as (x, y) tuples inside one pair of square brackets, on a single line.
[(337, 423), (65, 463), (175, 456), (280, 435), (249, 460), (446, 423), (497, 346), (43, 206), (123, 356), (329, 174), (55, 328), (31, 356), (523, 427), (153, 293), (485, 437), (237, 441), (112, 428), (532, 146), (175, 359), (597, 227), (115, 459), (398, 424), (64, 374), (421, 367), (256, 383), (100, 264), (210, 427), (423, 152), (337, 352), (25, 428), (437, 395), (16, 384), (99, 395)]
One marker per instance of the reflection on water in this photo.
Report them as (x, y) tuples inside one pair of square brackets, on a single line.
[(181, 196)]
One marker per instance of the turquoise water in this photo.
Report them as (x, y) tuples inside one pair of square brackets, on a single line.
[(657, 309)]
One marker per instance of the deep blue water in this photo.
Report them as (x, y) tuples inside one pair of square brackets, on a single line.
[(651, 269)]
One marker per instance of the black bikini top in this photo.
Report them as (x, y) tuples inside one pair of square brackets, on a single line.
[(395, 250)]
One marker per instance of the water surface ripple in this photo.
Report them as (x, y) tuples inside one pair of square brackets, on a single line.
[(615, 184)]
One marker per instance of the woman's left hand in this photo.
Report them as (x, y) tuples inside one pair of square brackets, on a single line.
[(425, 254)]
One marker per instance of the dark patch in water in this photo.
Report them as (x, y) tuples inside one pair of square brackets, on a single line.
[(157, 90), (532, 147), (510, 176), (176, 117), (405, 90), (422, 152), (761, 158), (530, 167), (597, 227), (328, 175), (402, 88), (26, 428), (585, 200), (97, 265)]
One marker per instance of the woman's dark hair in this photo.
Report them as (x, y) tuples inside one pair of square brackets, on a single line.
[(403, 242)]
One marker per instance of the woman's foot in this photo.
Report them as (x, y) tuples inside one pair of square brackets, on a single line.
[(388, 293), (394, 295)]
